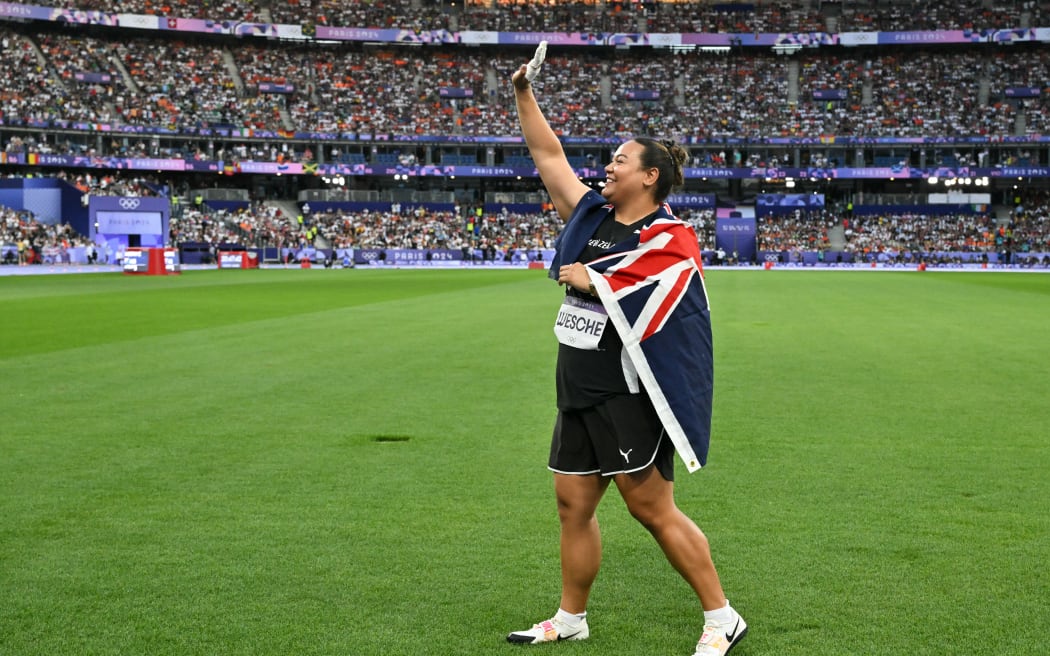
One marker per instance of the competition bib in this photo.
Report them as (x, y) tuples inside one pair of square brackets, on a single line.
[(580, 323)]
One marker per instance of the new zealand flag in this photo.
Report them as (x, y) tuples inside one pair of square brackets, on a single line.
[(652, 286)]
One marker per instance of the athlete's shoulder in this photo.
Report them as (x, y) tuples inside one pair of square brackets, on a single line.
[(590, 204)]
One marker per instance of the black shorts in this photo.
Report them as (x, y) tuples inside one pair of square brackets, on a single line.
[(620, 436)]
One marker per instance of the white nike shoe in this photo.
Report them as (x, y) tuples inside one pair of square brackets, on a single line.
[(551, 630), (718, 639)]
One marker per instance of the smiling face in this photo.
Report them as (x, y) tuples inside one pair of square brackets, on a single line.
[(624, 175)]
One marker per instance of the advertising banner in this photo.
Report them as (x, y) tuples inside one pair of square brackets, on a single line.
[(93, 78), (152, 261), (238, 260), (778, 204), (642, 94), (691, 200), (1023, 92), (455, 92), (136, 260), (269, 87), (736, 235)]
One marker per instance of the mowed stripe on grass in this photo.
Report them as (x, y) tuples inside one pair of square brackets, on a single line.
[(333, 462)]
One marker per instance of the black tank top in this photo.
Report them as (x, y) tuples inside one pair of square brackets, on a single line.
[(587, 378)]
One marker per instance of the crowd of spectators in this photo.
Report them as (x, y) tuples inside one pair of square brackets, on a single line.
[(24, 240), (219, 10), (396, 91), (962, 232), (80, 100), (405, 227), (146, 81), (366, 14), (502, 233), (961, 15), (203, 226), (30, 89), (799, 231), (110, 183), (418, 227), (179, 84), (1030, 224), (391, 92), (1026, 231), (596, 16)]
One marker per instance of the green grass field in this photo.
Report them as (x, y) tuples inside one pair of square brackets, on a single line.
[(353, 462)]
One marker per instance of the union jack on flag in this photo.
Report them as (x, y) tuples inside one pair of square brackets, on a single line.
[(652, 286)]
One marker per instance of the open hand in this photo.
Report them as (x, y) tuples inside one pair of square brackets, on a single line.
[(524, 76)]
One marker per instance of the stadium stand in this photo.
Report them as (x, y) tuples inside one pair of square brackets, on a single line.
[(96, 99), (611, 16)]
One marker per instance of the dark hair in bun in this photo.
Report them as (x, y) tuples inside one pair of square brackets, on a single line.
[(669, 158)]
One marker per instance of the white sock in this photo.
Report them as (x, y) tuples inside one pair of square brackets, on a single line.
[(720, 616), (572, 619)]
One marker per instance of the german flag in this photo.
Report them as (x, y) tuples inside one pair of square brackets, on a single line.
[(287, 134)]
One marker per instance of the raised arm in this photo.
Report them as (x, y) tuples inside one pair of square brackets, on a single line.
[(564, 187)]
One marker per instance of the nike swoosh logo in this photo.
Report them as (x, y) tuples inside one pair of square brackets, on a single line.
[(567, 637), (732, 636)]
